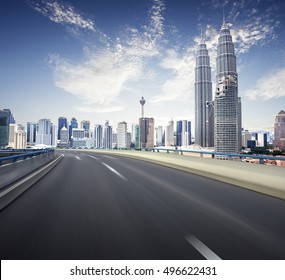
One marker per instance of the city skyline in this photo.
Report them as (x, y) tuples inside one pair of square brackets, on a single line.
[(59, 57)]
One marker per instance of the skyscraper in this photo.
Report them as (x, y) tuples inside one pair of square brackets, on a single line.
[(204, 118), (43, 135), (146, 132), (122, 135), (86, 126), (108, 136), (73, 124), (62, 122), (227, 104), (186, 133), (279, 131), (169, 134), (10, 117), (31, 132), (4, 128), (98, 136)]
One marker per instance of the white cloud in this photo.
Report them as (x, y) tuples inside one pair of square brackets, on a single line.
[(268, 87), (106, 71), (62, 13), (180, 85)]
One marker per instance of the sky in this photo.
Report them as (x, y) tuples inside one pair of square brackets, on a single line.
[(94, 59)]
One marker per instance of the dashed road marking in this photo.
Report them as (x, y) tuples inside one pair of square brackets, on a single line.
[(77, 157), (109, 157), (94, 157), (202, 248), (115, 171)]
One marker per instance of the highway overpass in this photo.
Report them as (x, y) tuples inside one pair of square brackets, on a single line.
[(113, 206)]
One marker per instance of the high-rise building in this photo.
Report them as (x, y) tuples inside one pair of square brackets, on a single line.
[(31, 133), (86, 126), (186, 133), (108, 136), (122, 135), (261, 139), (159, 135), (4, 129), (146, 132), (63, 135), (13, 128), (10, 116), (62, 122), (98, 136), (204, 111), (246, 136), (43, 135), (227, 104), (279, 131), (178, 133), (169, 134), (53, 132), (73, 124)]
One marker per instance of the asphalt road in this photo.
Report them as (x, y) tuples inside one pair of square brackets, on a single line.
[(95, 206)]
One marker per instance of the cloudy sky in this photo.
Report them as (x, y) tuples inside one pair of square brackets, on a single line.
[(93, 59)]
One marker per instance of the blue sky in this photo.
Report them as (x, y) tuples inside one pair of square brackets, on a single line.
[(92, 59)]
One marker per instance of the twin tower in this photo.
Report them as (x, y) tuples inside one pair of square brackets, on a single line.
[(218, 121)]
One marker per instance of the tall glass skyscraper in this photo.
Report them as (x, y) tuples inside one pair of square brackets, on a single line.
[(227, 104), (4, 128), (62, 122), (204, 118)]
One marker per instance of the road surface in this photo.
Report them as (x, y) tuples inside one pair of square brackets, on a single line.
[(97, 206)]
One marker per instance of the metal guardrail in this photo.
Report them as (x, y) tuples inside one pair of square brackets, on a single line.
[(11, 159), (261, 158)]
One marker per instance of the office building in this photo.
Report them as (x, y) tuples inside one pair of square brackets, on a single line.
[(73, 124), (146, 132), (4, 129), (62, 122), (43, 134), (204, 110), (186, 133), (31, 133), (279, 131), (261, 139), (159, 136), (227, 104), (98, 136), (86, 126), (10, 116), (169, 134), (122, 135), (246, 136), (108, 136)]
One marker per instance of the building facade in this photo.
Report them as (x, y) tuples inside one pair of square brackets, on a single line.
[(227, 104), (4, 129), (43, 135), (146, 132), (122, 135), (204, 111), (279, 131), (108, 136), (98, 136), (62, 122), (31, 133)]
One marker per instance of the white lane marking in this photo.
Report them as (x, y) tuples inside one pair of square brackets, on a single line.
[(78, 157), (94, 157), (115, 171), (202, 248), (109, 157)]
